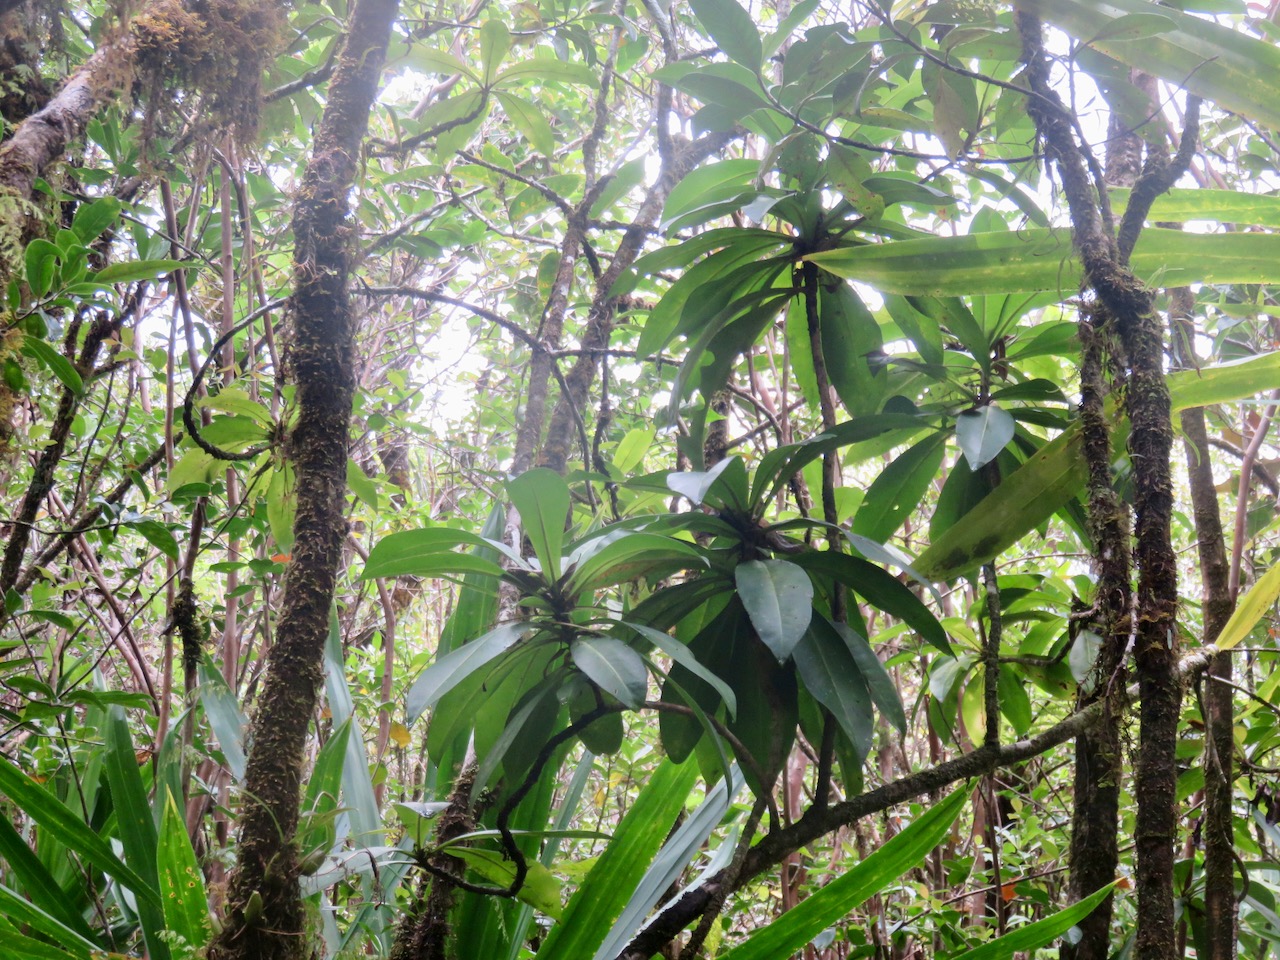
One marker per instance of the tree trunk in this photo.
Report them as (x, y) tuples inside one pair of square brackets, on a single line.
[(265, 914)]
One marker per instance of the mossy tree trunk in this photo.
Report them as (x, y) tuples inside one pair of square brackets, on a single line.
[(265, 915), (1129, 309)]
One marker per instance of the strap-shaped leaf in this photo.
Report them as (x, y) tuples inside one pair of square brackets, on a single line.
[(451, 669), (613, 666), (798, 926)]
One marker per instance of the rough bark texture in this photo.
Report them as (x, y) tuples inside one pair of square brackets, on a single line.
[(1099, 765), (1218, 825), (264, 909), (1130, 308), (43, 137)]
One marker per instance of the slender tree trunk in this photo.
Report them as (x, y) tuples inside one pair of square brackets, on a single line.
[(265, 915), (1129, 306)]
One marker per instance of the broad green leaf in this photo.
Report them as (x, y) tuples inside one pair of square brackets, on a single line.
[(530, 121), (186, 909), (778, 597), (41, 262), (282, 505), (225, 717), (830, 674), (545, 68), (1024, 500), (35, 881), (799, 925), (18, 946), (426, 552), (1041, 259), (631, 557), (27, 914), (136, 829), (542, 497), (632, 448), (495, 41), (1220, 206), (896, 492), (323, 788), (613, 666), (1250, 610), (596, 904), (137, 270), (1025, 940), (884, 692), (1224, 382), (451, 669), (983, 433), (681, 654), (1055, 473), (697, 486), (158, 535), (362, 485), (879, 588), (1015, 704), (733, 30), (712, 181), (92, 218), (58, 365), (541, 890), (1235, 70)]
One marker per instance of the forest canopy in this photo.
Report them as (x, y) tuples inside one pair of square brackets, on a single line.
[(610, 480)]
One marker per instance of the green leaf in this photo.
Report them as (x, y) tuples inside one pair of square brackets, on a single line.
[(1032, 936), (282, 505), (1015, 704), (799, 925), (1042, 259), (830, 674), (545, 68), (41, 260), (733, 30), (712, 181), (92, 218), (630, 557), (158, 535), (607, 888), (1235, 70), (425, 553), (778, 597), (186, 908), (40, 888), (362, 485), (884, 692), (542, 497), (495, 41), (613, 666), (58, 365), (897, 491), (529, 121), (137, 270), (451, 669), (541, 890), (27, 914), (225, 717), (1055, 473), (879, 588), (681, 654), (983, 433), (1250, 610), (722, 478)]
